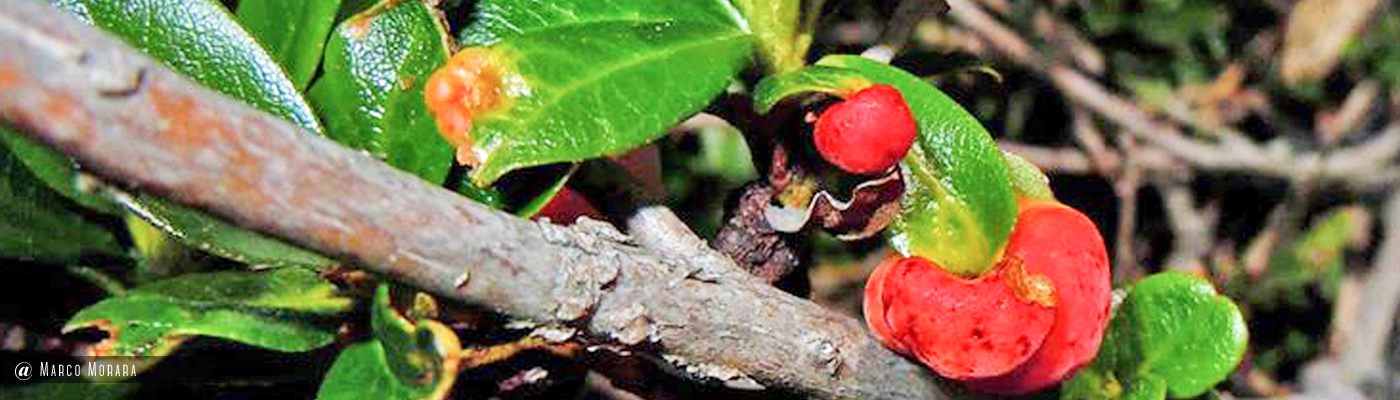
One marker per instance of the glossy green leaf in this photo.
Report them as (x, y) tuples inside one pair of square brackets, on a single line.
[(56, 170), (1027, 181), (1182, 331), (38, 223), (582, 88), (1173, 328), (495, 20), (200, 39), (405, 360), (371, 91), (294, 32), (831, 80), (212, 235), (958, 207), (285, 309), (362, 372)]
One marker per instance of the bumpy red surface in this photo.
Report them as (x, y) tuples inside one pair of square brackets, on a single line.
[(961, 328), (868, 132), (1061, 243)]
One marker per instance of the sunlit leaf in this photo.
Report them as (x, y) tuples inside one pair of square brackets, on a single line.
[(371, 91), (589, 79), (1173, 331)]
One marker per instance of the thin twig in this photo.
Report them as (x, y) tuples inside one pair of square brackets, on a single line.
[(1126, 185), (1091, 139), (907, 15), (1193, 229), (1061, 35), (1068, 160)]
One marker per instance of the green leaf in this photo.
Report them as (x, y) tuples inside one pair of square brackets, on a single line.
[(1098, 384), (294, 32), (1147, 388), (776, 24), (1179, 329), (212, 235), (580, 88), (489, 196), (495, 20), (285, 309), (1027, 181), (822, 79), (371, 91), (200, 39), (38, 223), (958, 207), (1173, 328), (160, 255), (724, 154), (56, 170), (404, 361)]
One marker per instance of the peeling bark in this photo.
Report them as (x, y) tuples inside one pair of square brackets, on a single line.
[(135, 123)]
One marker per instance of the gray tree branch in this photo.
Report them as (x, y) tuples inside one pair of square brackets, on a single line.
[(135, 123)]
